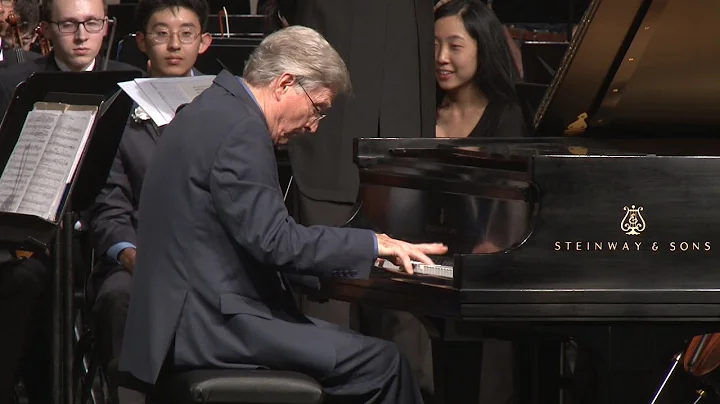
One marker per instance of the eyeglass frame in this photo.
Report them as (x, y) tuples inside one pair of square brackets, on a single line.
[(153, 36), (78, 23), (319, 115)]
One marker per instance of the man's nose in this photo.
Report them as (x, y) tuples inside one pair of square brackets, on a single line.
[(174, 41), (81, 35)]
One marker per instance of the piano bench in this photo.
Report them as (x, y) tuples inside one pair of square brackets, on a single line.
[(238, 386)]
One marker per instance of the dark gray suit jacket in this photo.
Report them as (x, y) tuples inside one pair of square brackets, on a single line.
[(213, 232)]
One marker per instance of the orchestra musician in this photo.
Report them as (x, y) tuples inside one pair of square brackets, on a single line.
[(76, 29), (208, 288), (173, 36), (22, 22), (476, 74)]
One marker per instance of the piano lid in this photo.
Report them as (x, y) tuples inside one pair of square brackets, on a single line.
[(649, 65)]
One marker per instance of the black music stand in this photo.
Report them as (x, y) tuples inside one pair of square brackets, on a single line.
[(23, 232)]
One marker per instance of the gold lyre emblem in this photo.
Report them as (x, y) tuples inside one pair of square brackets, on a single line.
[(633, 223)]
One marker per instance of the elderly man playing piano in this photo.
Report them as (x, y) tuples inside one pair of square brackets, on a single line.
[(215, 239)]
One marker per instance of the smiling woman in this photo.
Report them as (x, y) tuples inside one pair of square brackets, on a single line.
[(475, 73)]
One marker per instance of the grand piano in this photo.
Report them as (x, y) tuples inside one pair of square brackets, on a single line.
[(603, 227)]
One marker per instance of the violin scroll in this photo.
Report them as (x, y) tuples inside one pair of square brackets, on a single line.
[(14, 21)]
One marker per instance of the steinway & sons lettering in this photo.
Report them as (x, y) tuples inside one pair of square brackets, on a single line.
[(672, 246)]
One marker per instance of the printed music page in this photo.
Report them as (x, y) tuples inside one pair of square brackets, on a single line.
[(25, 157), (58, 162), (167, 94)]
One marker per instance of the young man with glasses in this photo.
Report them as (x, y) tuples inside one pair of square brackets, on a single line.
[(76, 29), (173, 35)]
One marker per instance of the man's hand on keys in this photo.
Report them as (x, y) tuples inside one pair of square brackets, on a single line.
[(401, 253)]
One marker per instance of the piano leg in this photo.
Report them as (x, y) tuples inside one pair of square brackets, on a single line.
[(538, 377), (457, 367)]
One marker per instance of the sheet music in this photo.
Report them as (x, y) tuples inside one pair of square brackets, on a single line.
[(25, 158), (59, 159), (161, 97)]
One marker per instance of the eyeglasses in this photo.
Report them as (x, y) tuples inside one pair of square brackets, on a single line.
[(70, 27), (319, 115), (7, 3), (186, 36)]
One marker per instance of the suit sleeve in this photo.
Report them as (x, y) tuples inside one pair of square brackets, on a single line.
[(249, 202), (113, 210)]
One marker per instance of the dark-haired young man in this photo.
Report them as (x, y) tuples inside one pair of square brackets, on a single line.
[(172, 38)]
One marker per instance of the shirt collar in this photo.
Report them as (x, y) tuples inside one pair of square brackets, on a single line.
[(63, 67), (244, 84)]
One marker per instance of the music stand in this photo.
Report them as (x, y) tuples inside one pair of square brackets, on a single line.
[(24, 232)]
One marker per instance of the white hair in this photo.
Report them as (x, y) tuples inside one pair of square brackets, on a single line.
[(302, 52)]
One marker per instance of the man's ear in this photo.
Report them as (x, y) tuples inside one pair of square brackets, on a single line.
[(284, 83), (205, 41), (140, 39)]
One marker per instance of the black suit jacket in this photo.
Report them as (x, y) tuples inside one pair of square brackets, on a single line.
[(15, 74), (114, 215), (213, 232), (388, 48), (13, 56)]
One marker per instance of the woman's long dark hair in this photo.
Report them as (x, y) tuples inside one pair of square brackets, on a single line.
[(496, 73)]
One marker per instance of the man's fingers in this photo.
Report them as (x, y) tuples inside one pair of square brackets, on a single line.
[(432, 248), (405, 261), (420, 257)]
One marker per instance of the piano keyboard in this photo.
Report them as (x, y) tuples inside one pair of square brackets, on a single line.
[(442, 271)]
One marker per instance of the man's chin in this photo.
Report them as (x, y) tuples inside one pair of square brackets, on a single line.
[(78, 63)]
